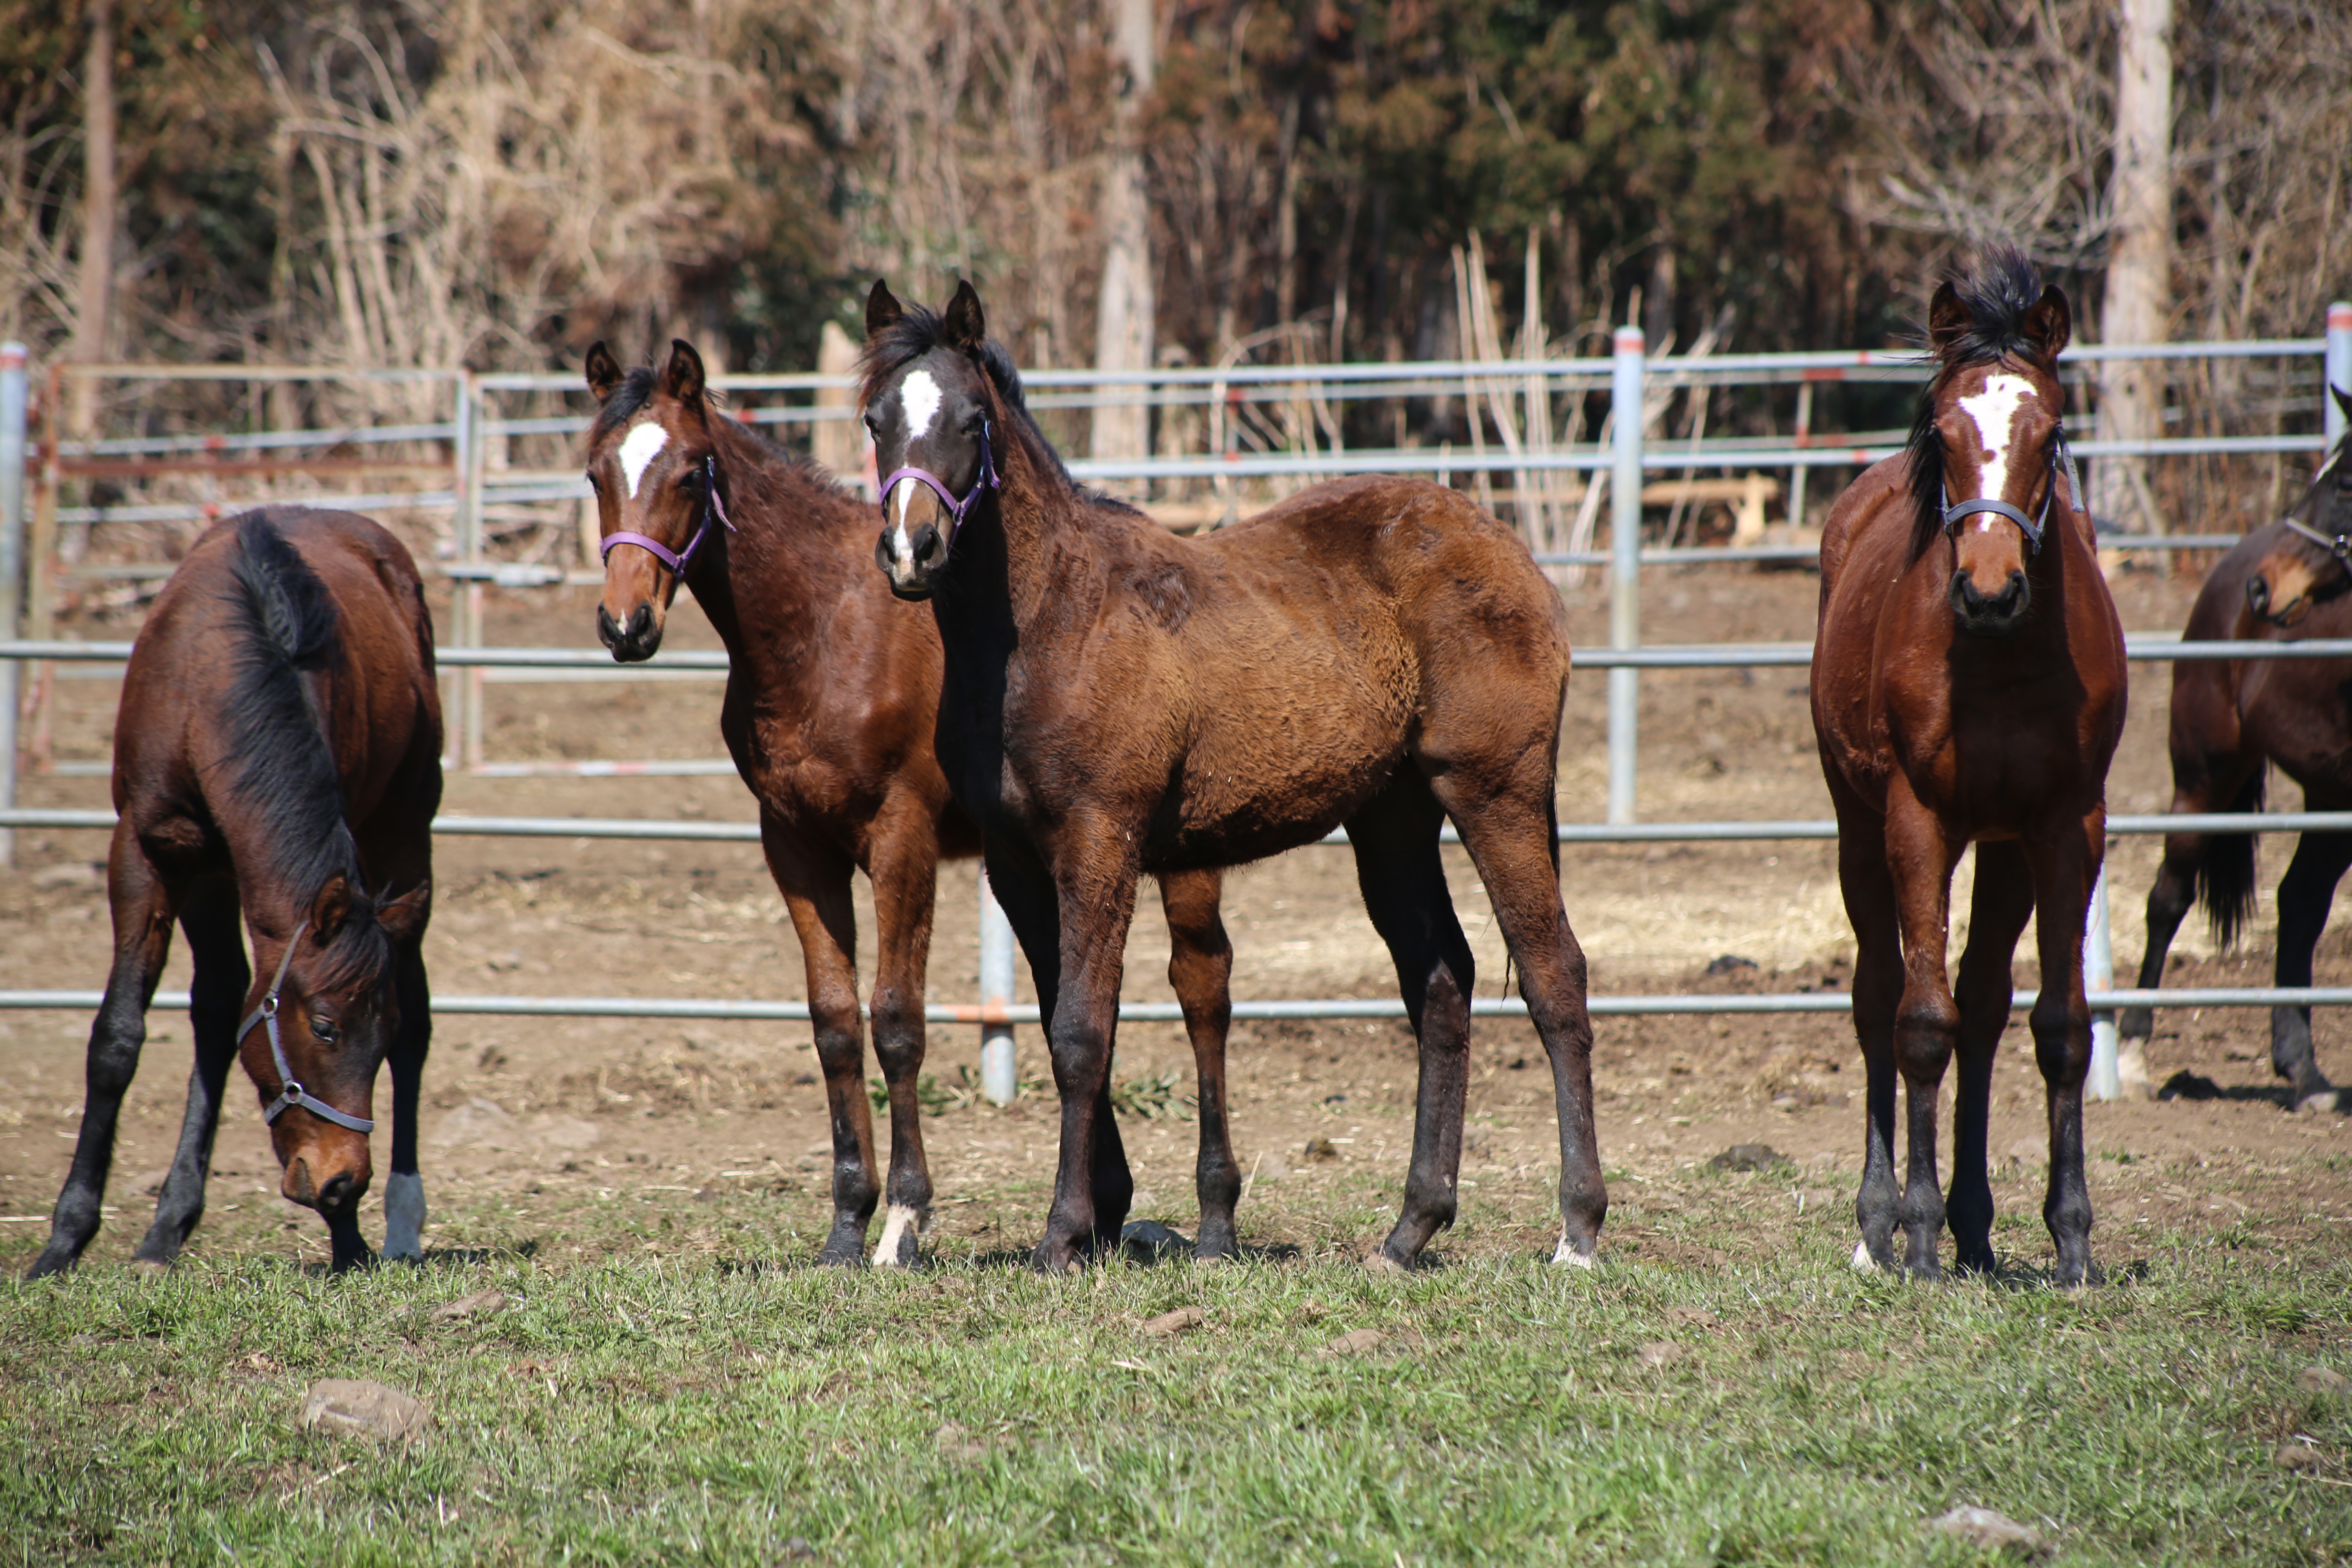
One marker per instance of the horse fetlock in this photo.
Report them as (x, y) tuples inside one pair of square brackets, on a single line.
[(902, 1232), (403, 1216)]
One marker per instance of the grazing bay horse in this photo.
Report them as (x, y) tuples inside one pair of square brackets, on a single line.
[(277, 756), (1968, 688), (2230, 719), (833, 690), (1372, 652)]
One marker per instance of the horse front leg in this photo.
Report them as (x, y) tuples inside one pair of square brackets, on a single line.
[(904, 874), (1868, 889), (2168, 904), (1199, 968), (210, 919), (814, 881), (404, 1190), (1094, 886), (2002, 904), (2065, 866), (2305, 896), (143, 907), (1920, 854)]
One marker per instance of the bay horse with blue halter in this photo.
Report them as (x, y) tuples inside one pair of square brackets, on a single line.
[(833, 693), (1371, 652), (2232, 719), (277, 759), (1968, 688)]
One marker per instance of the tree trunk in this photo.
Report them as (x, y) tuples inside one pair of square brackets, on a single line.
[(94, 281), (1124, 314), (2139, 262)]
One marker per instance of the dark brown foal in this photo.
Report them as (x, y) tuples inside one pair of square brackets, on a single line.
[(276, 755), (1968, 688), (2286, 582), (1375, 652), (833, 691)]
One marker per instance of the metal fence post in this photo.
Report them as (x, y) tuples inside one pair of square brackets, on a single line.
[(2106, 1081), (1624, 566), (998, 1077), (2338, 373), (12, 567)]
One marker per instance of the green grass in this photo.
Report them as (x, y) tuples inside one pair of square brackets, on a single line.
[(670, 1384)]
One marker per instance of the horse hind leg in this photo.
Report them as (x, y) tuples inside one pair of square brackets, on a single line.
[(814, 882), (2003, 902), (1868, 888), (1394, 838), (142, 910), (2305, 896), (222, 978), (1199, 969)]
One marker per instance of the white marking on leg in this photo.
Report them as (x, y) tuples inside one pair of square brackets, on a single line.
[(901, 1222), (1994, 410), (403, 1215), (1863, 1262), (639, 450), (1569, 1255)]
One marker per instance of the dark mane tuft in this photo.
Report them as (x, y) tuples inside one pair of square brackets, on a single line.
[(280, 769), (918, 331), (636, 390), (1997, 292)]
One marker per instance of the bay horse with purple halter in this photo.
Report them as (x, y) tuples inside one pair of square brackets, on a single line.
[(833, 691), (1968, 688), (2232, 719), (1372, 652), (276, 755)]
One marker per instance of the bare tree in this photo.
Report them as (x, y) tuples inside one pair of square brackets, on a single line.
[(2139, 258), (1125, 305)]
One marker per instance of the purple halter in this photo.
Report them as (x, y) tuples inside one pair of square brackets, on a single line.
[(660, 551), (988, 479)]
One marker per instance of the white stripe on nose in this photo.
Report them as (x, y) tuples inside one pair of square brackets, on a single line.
[(1994, 410)]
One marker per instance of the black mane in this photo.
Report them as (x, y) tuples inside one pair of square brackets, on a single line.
[(281, 772), (1997, 292), (636, 390), (918, 330)]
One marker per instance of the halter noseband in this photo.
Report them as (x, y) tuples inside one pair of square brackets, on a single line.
[(291, 1091), (712, 507), (2032, 527), (987, 479)]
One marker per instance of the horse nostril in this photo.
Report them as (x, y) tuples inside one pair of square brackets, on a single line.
[(606, 632), (641, 622), (336, 1192), (928, 546)]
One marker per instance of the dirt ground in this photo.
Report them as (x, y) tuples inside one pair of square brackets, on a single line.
[(536, 1105)]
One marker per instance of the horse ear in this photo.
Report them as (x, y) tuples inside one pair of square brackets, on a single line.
[(2050, 324), (330, 909), (882, 310), (967, 326), (403, 918), (1947, 319), (604, 372), (682, 378)]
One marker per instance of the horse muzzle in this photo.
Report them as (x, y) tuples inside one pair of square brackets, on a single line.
[(911, 560), (1990, 615), (635, 643), (2259, 600), (326, 1179)]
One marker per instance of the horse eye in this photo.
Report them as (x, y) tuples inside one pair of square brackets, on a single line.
[(322, 1030)]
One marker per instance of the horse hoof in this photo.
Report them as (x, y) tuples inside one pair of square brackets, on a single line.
[(1050, 1258), (1567, 1257), (153, 1268), (902, 1231), (1377, 1261), (2324, 1101)]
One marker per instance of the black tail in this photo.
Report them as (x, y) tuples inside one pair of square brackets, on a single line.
[(2225, 878)]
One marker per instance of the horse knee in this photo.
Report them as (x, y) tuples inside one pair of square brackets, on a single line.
[(1926, 1032), (2062, 1042)]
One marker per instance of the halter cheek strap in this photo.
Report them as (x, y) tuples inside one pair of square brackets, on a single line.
[(713, 507), (2032, 527), (988, 479), (2339, 545), (292, 1093)]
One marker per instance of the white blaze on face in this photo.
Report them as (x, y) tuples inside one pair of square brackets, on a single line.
[(646, 440), (1994, 411), (918, 397)]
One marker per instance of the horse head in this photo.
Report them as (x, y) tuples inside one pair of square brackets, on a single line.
[(652, 463), (2310, 565), (314, 1035), (927, 405), (1989, 451)]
